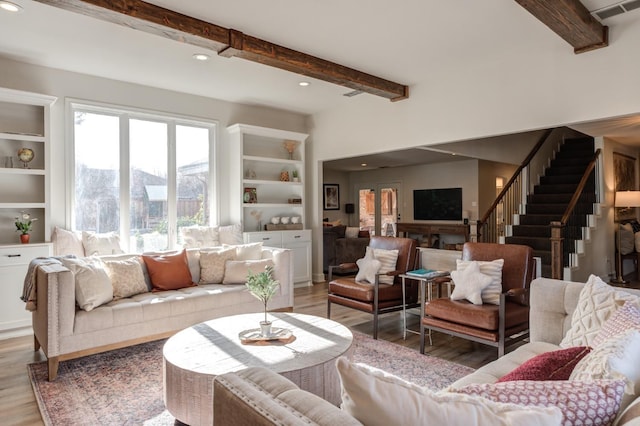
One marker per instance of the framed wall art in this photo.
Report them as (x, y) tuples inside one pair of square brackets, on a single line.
[(331, 196)]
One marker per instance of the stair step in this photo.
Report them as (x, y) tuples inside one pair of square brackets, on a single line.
[(565, 170), (542, 231), (570, 161), (557, 208), (586, 198), (565, 188), (536, 243), (544, 255), (539, 219), (560, 179)]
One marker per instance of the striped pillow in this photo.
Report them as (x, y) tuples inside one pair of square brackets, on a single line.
[(490, 294), (388, 260)]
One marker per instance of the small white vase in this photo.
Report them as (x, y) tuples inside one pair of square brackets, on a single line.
[(265, 328)]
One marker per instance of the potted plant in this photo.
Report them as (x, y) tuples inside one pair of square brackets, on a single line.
[(263, 286), (294, 173), (24, 224)]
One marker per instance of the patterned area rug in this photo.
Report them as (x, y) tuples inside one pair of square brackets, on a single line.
[(124, 387)]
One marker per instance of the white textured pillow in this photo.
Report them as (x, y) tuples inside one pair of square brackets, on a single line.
[(200, 236), (230, 234), (491, 293), (66, 242), (616, 358), (236, 271), (374, 397), (388, 261), (368, 267), (469, 283), (351, 232), (250, 251), (596, 303), (212, 264), (126, 277), (581, 403), (99, 244), (92, 284)]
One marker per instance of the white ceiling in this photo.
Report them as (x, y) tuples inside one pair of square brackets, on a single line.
[(401, 42)]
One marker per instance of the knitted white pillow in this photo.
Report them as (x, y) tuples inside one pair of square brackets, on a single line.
[(388, 260), (368, 267), (469, 283)]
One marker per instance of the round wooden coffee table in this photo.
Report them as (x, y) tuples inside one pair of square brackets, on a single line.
[(194, 356)]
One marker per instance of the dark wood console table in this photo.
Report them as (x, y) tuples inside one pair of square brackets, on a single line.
[(429, 229)]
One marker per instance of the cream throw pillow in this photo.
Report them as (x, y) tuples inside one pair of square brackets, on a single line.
[(92, 284), (99, 244), (212, 264), (230, 234), (126, 277), (596, 303), (388, 260), (368, 267), (250, 251), (469, 283), (66, 242), (236, 271), (627, 239), (491, 293), (374, 397), (200, 236)]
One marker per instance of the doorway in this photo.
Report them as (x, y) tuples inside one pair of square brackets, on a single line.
[(378, 208)]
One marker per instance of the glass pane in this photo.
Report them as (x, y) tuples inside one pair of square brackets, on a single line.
[(192, 161), (97, 162), (388, 211), (367, 211), (148, 191)]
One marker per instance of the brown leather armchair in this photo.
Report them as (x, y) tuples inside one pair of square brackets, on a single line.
[(377, 298), (494, 325)]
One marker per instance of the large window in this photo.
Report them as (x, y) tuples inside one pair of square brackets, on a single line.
[(156, 168)]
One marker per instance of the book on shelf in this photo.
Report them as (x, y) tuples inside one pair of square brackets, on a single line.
[(427, 273)]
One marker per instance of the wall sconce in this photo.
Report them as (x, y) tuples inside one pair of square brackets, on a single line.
[(624, 200)]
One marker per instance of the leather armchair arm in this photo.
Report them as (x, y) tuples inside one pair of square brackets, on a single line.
[(516, 292)]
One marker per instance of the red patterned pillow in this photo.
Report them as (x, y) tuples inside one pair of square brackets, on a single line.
[(582, 403), (622, 320), (555, 365)]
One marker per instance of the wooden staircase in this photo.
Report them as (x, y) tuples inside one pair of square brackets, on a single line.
[(550, 199)]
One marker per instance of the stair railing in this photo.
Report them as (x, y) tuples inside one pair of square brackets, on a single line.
[(492, 226), (571, 225)]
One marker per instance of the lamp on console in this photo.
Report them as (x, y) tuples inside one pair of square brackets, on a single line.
[(625, 200)]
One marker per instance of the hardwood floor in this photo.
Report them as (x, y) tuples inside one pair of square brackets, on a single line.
[(18, 405)]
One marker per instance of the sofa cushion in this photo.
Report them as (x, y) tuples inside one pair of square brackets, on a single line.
[(483, 317), (581, 403), (66, 243), (469, 283), (168, 271), (493, 268), (250, 251), (126, 277), (368, 267), (200, 236), (373, 397), (596, 303), (351, 232), (92, 284), (212, 264), (554, 365), (236, 271), (100, 244)]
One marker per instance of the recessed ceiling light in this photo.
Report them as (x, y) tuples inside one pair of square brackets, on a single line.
[(304, 83), (201, 57), (10, 7), (363, 164)]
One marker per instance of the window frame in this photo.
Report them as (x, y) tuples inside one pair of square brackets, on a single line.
[(125, 114)]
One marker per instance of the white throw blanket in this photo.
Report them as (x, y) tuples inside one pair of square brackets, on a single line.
[(29, 293)]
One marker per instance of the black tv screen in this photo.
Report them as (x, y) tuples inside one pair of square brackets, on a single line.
[(437, 204)]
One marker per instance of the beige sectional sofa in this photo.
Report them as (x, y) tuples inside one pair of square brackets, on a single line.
[(64, 331), (257, 396)]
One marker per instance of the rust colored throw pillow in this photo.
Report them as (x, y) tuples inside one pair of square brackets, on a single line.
[(168, 271), (555, 365)]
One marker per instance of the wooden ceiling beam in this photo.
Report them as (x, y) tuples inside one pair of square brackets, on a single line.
[(571, 20), (156, 20)]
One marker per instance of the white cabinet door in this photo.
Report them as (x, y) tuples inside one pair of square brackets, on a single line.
[(301, 261), (15, 320)]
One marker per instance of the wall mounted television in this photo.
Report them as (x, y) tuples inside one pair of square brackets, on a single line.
[(437, 204)]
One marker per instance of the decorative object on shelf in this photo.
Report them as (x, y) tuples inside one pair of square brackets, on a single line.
[(331, 196), (250, 174), (8, 162), (295, 219), (284, 176), (263, 286), (294, 200), (24, 224), (285, 220), (25, 155), (250, 195), (257, 215), (295, 177), (275, 220), (290, 146)]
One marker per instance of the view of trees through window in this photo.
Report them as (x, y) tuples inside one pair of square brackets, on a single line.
[(156, 168)]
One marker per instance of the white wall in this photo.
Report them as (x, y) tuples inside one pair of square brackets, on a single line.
[(21, 76)]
